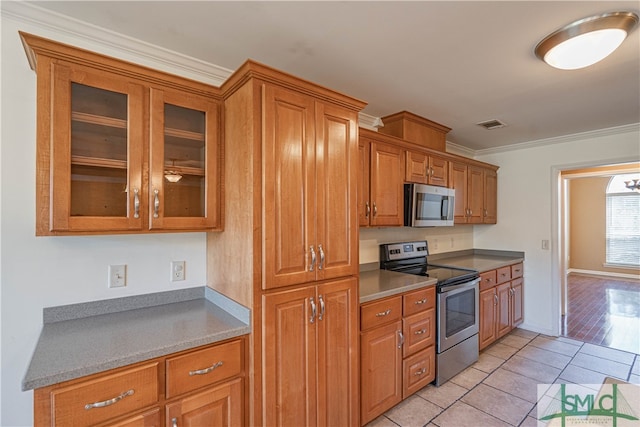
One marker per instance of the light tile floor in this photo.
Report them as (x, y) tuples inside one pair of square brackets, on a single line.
[(500, 389)]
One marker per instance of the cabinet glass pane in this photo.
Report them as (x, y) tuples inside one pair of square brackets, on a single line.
[(98, 152), (184, 162)]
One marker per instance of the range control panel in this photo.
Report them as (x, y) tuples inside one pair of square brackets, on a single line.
[(397, 251)]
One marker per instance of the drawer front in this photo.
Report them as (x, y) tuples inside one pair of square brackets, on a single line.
[(203, 367), (504, 274), (419, 331), (380, 313), (417, 301), (418, 371), (488, 280), (105, 397), (516, 270)]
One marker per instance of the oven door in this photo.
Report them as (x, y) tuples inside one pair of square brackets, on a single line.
[(458, 315)]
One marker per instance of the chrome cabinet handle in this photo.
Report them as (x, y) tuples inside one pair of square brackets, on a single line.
[(383, 313), (321, 257), (431, 171), (367, 209), (375, 209), (321, 315), (485, 212), (136, 203), (420, 332), (313, 311), (401, 343), (313, 258), (108, 402), (495, 299), (156, 203), (205, 370), (420, 372), (174, 422), (422, 301)]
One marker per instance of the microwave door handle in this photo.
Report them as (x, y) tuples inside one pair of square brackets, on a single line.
[(444, 208)]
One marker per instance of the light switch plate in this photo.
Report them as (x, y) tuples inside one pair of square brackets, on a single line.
[(117, 276)]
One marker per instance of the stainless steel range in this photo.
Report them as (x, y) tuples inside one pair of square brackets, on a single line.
[(456, 309)]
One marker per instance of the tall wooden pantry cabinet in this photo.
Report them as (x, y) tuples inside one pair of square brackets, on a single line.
[(290, 247)]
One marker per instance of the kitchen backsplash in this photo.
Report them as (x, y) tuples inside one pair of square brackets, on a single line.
[(439, 239)]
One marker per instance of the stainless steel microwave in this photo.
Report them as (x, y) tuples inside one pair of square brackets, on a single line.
[(428, 205)]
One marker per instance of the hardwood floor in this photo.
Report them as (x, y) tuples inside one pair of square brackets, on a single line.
[(603, 311)]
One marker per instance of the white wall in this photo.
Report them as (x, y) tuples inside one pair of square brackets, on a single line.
[(39, 272), (528, 209)]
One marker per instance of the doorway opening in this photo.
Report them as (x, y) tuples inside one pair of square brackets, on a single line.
[(599, 290)]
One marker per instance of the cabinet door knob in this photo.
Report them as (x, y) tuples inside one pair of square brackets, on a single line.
[(174, 422), (321, 315), (206, 370), (375, 209), (422, 301), (384, 313), (401, 339), (367, 209), (420, 372)]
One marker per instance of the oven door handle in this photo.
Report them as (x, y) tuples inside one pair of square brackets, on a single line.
[(460, 287)]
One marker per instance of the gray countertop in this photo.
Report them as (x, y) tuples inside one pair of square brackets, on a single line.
[(75, 347), (376, 284)]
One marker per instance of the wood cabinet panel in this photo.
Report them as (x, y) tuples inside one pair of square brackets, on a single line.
[(419, 370), (488, 317), (419, 331), (364, 169), (517, 270), (203, 367), (487, 280), (147, 419), (417, 301), (289, 351), (337, 365), (490, 197), (517, 314), (107, 396), (425, 168), (386, 185), (503, 325), (381, 370), (503, 274), (380, 312), (475, 195), (219, 406)]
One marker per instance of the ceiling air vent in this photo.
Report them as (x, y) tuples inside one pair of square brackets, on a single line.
[(492, 124)]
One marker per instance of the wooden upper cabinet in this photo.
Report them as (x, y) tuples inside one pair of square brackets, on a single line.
[(110, 138), (310, 180), (381, 183), (476, 193), (426, 169), (90, 158), (184, 151)]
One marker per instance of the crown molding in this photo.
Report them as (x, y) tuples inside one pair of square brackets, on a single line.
[(370, 122), (460, 150), (101, 40), (617, 130)]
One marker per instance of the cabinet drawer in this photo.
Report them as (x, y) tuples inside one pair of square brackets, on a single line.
[(516, 270), (487, 280), (380, 312), (417, 301), (419, 331), (105, 397), (418, 371), (203, 367), (503, 275)]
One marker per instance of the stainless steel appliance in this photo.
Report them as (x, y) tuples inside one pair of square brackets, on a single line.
[(428, 205), (457, 313)]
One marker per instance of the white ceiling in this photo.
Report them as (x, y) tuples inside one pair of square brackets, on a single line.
[(456, 63)]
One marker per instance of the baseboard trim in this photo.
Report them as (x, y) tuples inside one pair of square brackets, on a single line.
[(604, 274)]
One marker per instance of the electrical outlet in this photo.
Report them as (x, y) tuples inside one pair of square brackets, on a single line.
[(117, 276), (545, 245), (177, 271)]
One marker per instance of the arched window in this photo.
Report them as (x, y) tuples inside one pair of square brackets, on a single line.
[(623, 222)]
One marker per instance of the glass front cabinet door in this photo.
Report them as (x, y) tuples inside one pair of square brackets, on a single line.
[(127, 156)]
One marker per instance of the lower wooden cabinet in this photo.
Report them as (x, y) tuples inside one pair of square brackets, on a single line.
[(501, 303), (397, 350), (204, 386), (309, 347)]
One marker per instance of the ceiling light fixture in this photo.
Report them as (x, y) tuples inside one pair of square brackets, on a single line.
[(633, 185), (587, 41)]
